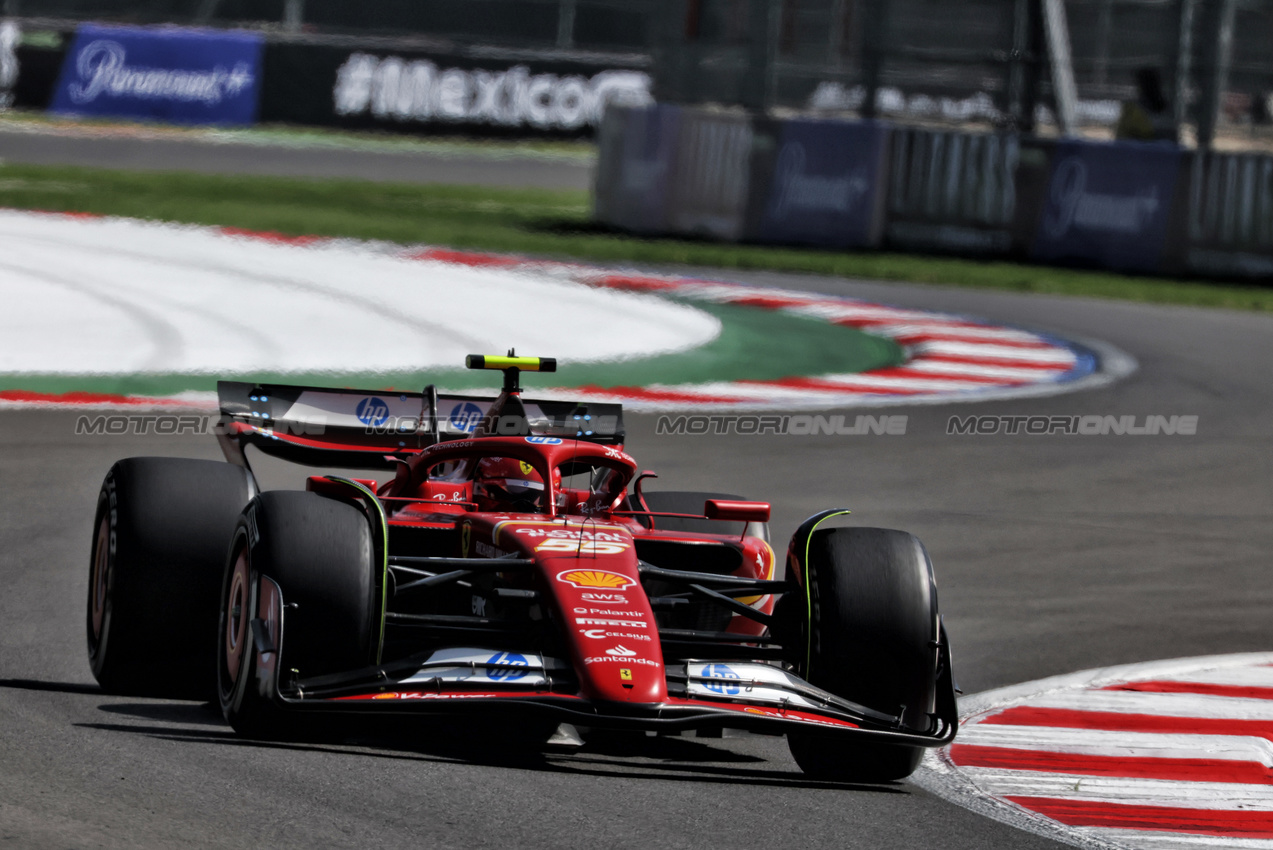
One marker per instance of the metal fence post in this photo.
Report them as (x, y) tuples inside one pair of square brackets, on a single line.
[(1104, 21), (673, 29), (1215, 69), (762, 43), (1022, 59), (1182, 65), (835, 37), (293, 15), (1064, 92), (566, 23), (207, 8), (874, 38)]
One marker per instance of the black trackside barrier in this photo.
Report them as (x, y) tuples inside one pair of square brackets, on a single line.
[(1223, 226), (38, 66), (1136, 207)]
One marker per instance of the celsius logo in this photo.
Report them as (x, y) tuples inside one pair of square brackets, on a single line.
[(621, 651), (504, 665), (372, 411), (464, 417), (727, 681)]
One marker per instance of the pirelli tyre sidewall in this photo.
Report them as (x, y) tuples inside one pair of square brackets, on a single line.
[(160, 534), (300, 566), (869, 633)]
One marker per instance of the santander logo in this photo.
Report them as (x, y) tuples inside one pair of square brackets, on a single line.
[(621, 651)]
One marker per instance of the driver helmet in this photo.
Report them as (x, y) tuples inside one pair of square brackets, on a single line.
[(509, 485)]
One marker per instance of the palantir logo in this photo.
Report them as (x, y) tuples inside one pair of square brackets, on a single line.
[(728, 682), (372, 411), (465, 416), (503, 666)]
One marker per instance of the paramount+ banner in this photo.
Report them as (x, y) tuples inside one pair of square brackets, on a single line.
[(319, 85), (823, 186), (1108, 205), (167, 74)]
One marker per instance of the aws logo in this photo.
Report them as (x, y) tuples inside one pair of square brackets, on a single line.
[(592, 578)]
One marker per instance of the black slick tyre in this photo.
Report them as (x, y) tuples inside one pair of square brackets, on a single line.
[(870, 634), (160, 536), (318, 553)]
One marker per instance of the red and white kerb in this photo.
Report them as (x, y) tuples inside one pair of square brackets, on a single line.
[(1170, 754)]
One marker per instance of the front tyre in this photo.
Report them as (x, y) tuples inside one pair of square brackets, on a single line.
[(870, 634), (298, 600), (159, 541)]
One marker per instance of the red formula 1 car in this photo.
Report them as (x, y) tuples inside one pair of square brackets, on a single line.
[(513, 562)]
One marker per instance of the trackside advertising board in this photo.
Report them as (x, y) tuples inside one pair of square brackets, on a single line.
[(168, 74), (1108, 205), (825, 185), (435, 92), (634, 167)]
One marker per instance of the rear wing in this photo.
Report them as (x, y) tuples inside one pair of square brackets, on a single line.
[(364, 429)]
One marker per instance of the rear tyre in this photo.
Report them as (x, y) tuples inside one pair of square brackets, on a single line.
[(870, 632), (160, 536), (689, 502), (318, 552)]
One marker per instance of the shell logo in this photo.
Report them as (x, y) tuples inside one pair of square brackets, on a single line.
[(388, 695), (595, 579)]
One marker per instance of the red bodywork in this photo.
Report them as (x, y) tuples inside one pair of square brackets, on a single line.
[(585, 555)]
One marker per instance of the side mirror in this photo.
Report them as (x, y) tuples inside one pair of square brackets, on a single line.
[(736, 510)]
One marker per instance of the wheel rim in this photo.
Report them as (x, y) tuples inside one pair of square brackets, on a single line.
[(236, 616), (100, 578)]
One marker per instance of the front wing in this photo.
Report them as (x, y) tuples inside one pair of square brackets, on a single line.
[(701, 694)]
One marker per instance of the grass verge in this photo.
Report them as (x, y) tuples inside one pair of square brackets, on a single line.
[(538, 222)]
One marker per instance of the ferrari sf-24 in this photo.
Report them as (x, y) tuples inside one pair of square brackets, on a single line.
[(511, 563)]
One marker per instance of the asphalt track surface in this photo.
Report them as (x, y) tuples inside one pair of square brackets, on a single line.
[(131, 153), (1053, 554)]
